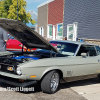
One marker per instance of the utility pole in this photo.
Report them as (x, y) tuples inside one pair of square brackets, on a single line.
[(17, 9)]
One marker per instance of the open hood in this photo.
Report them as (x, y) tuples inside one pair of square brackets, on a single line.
[(25, 35)]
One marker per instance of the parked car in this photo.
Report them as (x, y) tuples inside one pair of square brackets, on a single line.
[(48, 65), (14, 45)]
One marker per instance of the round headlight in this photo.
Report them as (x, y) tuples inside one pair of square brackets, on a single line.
[(18, 71)]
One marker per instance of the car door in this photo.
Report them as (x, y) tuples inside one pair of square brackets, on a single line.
[(87, 65), (98, 58)]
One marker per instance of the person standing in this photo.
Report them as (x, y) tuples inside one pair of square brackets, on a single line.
[(3, 40)]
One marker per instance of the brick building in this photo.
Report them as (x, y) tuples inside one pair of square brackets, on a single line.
[(50, 19)]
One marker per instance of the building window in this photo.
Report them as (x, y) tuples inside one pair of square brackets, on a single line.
[(41, 31), (59, 31), (49, 31), (70, 31)]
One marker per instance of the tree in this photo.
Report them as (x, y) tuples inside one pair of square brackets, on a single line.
[(9, 10), (7, 4), (22, 15), (4, 8), (1, 9)]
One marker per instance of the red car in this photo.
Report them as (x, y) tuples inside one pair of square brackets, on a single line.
[(15, 45)]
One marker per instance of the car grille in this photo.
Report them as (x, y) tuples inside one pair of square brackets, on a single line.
[(3, 67)]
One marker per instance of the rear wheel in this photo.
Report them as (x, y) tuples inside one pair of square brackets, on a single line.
[(50, 82)]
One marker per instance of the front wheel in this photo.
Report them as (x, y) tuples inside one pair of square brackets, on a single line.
[(50, 82)]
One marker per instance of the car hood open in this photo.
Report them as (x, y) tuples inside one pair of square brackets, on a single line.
[(25, 35)]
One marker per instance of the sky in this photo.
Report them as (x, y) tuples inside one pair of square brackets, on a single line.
[(32, 4)]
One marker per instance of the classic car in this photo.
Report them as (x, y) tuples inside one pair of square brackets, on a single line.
[(49, 65), (14, 45)]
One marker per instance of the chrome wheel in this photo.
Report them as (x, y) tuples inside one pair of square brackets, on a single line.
[(50, 82), (54, 81)]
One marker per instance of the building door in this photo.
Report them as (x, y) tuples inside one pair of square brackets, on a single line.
[(72, 31), (54, 31), (41, 31)]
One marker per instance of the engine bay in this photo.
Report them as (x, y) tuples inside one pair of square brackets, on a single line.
[(10, 59), (14, 59)]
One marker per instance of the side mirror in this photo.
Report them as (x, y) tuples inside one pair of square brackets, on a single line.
[(83, 54)]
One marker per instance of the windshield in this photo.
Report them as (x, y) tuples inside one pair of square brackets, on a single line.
[(10, 37), (65, 48)]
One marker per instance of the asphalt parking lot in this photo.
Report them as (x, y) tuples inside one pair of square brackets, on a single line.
[(64, 93), (78, 90)]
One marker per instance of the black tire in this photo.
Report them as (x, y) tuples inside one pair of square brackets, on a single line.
[(48, 80)]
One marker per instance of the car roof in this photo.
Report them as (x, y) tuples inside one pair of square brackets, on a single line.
[(74, 42)]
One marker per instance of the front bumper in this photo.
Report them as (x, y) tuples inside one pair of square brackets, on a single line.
[(16, 82), (13, 75)]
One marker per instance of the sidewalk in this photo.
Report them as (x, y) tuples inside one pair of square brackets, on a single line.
[(90, 89)]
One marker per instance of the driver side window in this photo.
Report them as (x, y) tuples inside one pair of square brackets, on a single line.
[(88, 49), (10, 37)]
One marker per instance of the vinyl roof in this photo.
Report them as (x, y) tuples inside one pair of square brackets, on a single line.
[(74, 42)]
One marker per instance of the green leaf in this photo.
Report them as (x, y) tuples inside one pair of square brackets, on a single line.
[(8, 9)]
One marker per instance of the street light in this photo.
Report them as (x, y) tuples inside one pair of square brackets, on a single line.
[(17, 9)]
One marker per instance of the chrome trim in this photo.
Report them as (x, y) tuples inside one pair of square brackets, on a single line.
[(76, 78), (54, 82), (77, 50)]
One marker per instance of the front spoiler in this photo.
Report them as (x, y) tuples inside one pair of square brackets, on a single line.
[(16, 82)]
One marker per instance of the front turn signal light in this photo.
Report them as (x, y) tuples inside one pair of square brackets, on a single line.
[(32, 76)]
